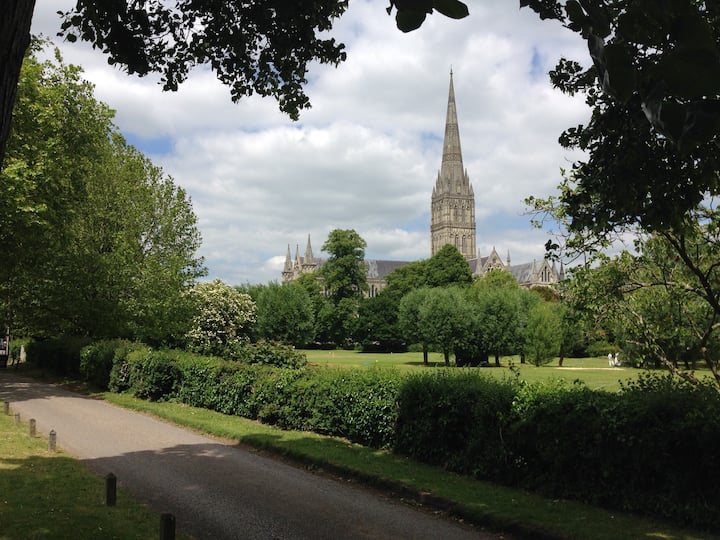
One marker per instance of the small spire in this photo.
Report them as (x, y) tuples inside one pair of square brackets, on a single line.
[(288, 260), (309, 259), (508, 259)]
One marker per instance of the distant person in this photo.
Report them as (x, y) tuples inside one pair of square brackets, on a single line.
[(616, 362), (611, 360)]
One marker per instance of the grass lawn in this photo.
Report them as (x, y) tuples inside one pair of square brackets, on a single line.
[(50, 495), (592, 371)]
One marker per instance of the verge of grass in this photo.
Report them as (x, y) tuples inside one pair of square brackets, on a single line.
[(482, 503), (594, 372), (51, 495)]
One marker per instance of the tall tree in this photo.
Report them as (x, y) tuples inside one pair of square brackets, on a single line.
[(344, 273), (99, 241)]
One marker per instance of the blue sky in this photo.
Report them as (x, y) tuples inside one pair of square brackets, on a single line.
[(367, 154)]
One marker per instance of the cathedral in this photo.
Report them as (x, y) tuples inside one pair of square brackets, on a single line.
[(452, 221)]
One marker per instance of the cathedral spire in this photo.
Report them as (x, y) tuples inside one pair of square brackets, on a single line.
[(452, 170), (452, 213)]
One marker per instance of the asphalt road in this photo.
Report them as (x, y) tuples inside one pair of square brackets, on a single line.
[(215, 490)]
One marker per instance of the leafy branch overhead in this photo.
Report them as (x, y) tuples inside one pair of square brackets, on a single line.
[(261, 47), (410, 14), (662, 52)]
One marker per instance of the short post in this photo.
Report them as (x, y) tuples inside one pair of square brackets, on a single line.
[(52, 440), (110, 489), (7, 408), (17, 418), (167, 526), (32, 427)]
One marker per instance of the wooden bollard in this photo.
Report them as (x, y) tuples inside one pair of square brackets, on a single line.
[(32, 427), (17, 418), (7, 408), (110, 489), (52, 440), (167, 526)]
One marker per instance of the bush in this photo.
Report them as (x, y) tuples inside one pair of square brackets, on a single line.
[(267, 353), (456, 421), (600, 348), (152, 374), (59, 355), (97, 360)]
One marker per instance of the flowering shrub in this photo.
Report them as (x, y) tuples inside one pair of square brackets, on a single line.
[(223, 318)]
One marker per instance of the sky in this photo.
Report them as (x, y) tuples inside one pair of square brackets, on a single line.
[(367, 154)]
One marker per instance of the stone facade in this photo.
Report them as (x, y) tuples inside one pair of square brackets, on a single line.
[(452, 221)]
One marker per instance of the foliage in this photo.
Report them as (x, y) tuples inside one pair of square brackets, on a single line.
[(358, 405), (654, 125), (543, 336), (267, 353), (378, 327), (447, 267), (344, 280), (256, 47), (410, 16), (59, 355), (284, 313), (344, 271), (456, 421), (98, 358), (223, 318), (152, 374), (98, 241), (636, 450)]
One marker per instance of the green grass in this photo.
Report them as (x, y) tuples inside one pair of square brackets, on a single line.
[(592, 371), (489, 505), (50, 495)]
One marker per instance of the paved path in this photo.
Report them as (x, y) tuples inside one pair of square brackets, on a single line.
[(216, 491)]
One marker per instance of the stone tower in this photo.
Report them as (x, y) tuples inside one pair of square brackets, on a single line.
[(452, 213)]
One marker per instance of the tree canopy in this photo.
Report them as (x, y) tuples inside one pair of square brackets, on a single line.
[(97, 240)]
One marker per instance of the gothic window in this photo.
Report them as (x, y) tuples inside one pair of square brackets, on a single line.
[(463, 245)]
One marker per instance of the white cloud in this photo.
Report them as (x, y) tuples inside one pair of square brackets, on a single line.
[(367, 154)]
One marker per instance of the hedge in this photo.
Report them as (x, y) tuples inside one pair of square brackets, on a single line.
[(650, 448)]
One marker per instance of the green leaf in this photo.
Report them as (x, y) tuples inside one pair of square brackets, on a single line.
[(409, 20), (451, 8), (621, 76)]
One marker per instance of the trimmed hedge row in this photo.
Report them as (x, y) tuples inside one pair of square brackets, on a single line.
[(651, 448)]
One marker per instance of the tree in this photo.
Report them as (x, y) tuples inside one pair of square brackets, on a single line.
[(285, 314), (499, 321), (99, 241), (544, 333), (14, 41), (447, 267), (410, 321), (378, 327), (651, 139), (223, 318), (434, 316), (343, 273)]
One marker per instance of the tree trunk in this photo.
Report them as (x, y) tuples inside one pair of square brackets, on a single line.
[(425, 355), (14, 40), (497, 359)]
